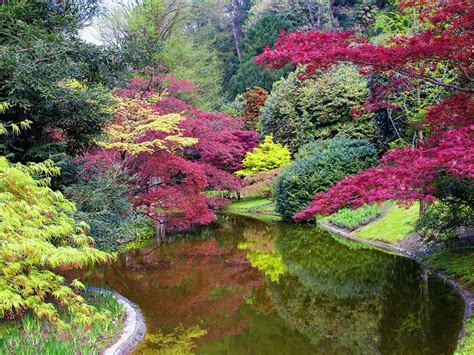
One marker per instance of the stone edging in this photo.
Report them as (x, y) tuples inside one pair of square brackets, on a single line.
[(467, 296), (134, 325)]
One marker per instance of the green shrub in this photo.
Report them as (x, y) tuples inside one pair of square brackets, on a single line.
[(102, 201), (317, 167), (453, 213), (298, 112), (260, 184), (34, 336), (351, 219)]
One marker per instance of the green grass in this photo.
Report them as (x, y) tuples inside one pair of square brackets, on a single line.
[(395, 225), (351, 219), (466, 345), (249, 203), (29, 335), (255, 207), (457, 262)]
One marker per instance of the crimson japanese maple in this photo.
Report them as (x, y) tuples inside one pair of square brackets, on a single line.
[(174, 151), (409, 173)]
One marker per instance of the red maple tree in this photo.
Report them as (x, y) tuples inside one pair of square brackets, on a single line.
[(169, 182), (405, 174)]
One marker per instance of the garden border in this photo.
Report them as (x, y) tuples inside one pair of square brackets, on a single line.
[(134, 328), (466, 295)]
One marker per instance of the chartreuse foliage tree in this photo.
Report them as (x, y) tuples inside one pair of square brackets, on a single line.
[(135, 130), (267, 156), (38, 233)]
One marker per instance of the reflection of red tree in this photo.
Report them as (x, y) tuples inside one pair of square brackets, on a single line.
[(172, 285)]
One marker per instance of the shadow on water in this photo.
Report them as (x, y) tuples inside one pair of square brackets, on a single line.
[(261, 288)]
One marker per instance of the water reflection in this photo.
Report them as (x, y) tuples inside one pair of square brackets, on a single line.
[(260, 288)]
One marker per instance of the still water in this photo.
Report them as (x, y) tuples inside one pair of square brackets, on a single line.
[(276, 288)]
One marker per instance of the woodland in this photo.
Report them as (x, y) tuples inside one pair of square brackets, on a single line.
[(125, 122)]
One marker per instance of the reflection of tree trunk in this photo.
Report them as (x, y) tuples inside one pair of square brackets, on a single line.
[(425, 284), (426, 295)]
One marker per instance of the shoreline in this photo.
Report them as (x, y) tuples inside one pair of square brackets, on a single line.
[(134, 327), (466, 295)]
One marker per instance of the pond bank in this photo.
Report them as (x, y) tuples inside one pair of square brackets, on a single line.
[(462, 289), (134, 327)]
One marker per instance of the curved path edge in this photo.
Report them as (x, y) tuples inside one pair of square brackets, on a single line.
[(465, 294), (134, 328)]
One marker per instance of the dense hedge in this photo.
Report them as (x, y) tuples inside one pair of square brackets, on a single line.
[(317, 167)]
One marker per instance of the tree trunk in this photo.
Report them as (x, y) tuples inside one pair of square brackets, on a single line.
[(236, 34), (422, 207), (160, 231)]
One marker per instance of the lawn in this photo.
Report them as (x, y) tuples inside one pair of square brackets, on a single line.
[(255, 207), (466, 345), (396, 224)]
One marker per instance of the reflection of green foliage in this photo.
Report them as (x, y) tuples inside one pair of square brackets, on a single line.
[(322, 264), (219, 291), (270, 264), (266, 333), (260, 244), (179, 342), (353, 245), (341, 325)]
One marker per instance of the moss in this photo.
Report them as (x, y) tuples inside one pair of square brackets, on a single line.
[(398, 223)]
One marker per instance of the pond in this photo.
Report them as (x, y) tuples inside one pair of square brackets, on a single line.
[(275, 288)]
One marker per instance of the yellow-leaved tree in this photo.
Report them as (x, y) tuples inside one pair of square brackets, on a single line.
[(38, 234), (139, 129)]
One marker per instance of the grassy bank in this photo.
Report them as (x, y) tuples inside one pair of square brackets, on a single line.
[(256, 207), (396, 224), (29, 335)]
